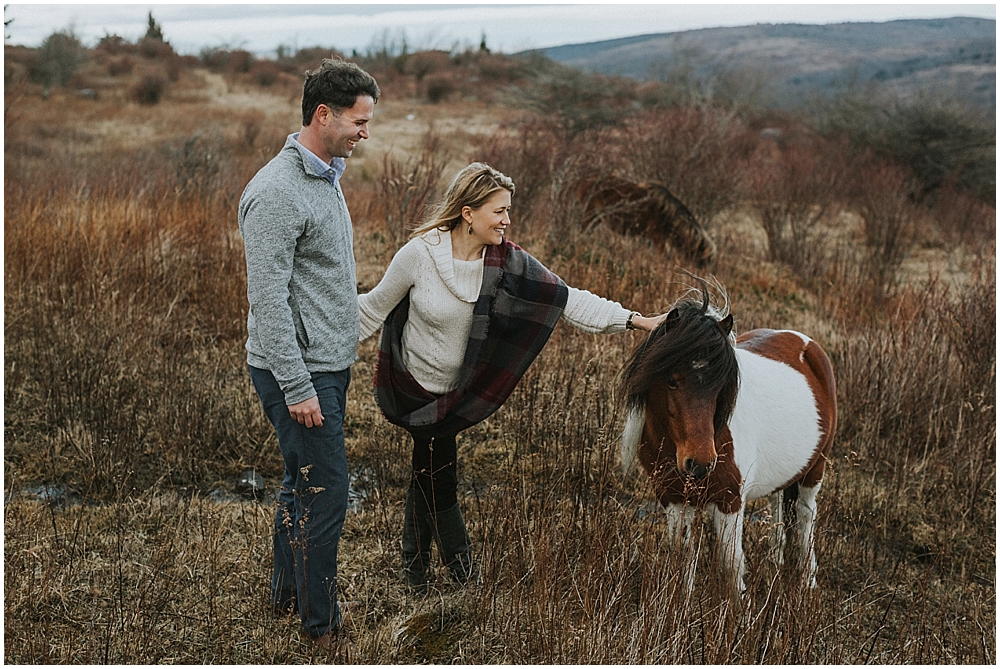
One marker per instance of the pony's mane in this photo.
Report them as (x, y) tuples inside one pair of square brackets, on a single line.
[(712, 295), (691, 339)]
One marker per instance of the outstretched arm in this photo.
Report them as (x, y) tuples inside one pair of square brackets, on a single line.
[(596, 315), (376, 305)]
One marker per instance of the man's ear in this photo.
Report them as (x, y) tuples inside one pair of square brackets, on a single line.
[(323, 114)]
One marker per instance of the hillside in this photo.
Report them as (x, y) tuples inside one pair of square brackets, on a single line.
[(949, 56)]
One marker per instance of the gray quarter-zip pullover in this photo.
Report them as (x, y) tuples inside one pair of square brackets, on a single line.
[(301, 281)]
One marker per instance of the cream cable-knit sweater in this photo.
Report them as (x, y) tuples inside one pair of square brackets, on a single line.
[(443, 291)]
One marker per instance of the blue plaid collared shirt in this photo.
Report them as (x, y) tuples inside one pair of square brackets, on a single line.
[(331, 172)]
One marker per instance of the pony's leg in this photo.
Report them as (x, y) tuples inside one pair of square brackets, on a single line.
[(778, 536), (805, 523), (729, 529), (680, 517)]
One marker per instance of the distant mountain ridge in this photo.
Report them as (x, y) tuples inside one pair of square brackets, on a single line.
[(955, 56)]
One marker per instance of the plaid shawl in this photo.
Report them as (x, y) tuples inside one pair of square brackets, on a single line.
[(519, 304)]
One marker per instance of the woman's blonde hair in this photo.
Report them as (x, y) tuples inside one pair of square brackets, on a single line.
[(471, 187)]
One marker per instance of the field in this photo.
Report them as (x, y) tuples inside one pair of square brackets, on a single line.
[(129, 414)]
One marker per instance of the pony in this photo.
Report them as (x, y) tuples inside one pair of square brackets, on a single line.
[(718, 420), (646, 209)]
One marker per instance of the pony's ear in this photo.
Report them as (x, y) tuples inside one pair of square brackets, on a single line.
[(726, 325), (671, 319)]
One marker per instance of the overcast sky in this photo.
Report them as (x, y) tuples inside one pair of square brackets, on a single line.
[(509, 28)]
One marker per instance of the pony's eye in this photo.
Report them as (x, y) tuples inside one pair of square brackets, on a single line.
[(672, 383)]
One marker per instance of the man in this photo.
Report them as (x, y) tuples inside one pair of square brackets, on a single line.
[(303, 332)]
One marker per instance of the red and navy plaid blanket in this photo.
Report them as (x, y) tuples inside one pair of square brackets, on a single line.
[(519, 304)]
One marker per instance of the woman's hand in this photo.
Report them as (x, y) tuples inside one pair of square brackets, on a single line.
[(647, 323)]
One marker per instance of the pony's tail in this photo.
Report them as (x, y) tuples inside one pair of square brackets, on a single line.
[(630, 437)]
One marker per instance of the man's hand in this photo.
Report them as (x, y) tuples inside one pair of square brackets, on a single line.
[(307, 413)]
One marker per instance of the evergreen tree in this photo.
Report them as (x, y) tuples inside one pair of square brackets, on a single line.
[(154, 32)]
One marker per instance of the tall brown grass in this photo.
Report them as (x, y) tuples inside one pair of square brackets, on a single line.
[(405, 190), (129, 415)]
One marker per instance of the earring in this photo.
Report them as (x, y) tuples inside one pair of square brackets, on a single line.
[(470, 229)]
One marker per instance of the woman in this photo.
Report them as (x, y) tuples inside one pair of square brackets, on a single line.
[(465, 313)]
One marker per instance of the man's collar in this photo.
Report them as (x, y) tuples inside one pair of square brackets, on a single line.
[(335, 168)]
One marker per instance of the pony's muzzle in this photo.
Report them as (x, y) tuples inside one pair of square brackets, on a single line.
[(693, 469)]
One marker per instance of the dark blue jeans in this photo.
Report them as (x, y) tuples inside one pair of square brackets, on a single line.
[(312, 503)]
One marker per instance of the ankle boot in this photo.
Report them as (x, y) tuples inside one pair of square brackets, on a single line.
[(455, 545), (417, 534)]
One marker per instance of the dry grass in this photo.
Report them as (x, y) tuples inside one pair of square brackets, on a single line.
[(129, 416)]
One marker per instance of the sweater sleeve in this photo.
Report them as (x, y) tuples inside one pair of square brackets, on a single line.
[(271, 224), (376, 305), (594, 314)]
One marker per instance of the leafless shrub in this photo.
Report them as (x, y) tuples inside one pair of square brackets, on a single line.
[(497, 68), (422, 63), (226, 60), (970, 321), (149, 90), (113, 45), (701, 155), (887, 213), (439, 87), (121, 65), (577, 101), (251, 124), (300, 60), (148, 258), (173, 66), (530, 153), (938, 138), (264, 73), (963, 218), (155, 49), (198, 161), (239, 61), (792, 195), (405, 187)]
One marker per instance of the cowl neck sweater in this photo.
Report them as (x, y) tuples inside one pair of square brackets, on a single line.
[(518, 305)]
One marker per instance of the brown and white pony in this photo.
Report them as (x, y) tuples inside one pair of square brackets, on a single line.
[(718, 420)]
